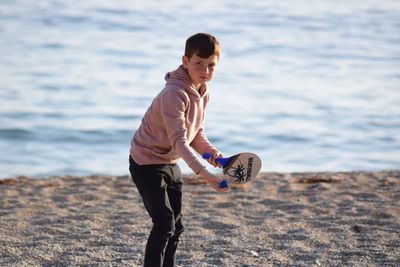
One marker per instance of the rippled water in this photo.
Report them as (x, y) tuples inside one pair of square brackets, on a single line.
[(307, 85)]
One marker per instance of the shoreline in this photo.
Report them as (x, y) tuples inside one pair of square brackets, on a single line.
[(301, 219)]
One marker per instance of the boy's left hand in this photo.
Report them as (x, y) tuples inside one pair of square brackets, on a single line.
[(213, 180), (212, 161)]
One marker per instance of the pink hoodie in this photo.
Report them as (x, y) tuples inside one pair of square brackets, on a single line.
[(173, 122)]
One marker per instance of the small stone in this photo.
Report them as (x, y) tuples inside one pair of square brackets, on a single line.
[(356, 228), (255, 254)]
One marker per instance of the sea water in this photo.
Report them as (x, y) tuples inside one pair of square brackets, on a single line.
[(307, 85)]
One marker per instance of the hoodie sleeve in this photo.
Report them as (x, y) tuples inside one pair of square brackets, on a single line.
[(201, 143), (173, 108)]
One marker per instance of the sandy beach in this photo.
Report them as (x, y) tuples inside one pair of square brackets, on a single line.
[(281, 219)]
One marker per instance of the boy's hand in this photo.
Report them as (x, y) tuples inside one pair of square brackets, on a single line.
[(213, 180), (212, 161)]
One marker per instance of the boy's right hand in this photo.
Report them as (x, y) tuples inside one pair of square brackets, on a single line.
[(212, 160), (213, 180)]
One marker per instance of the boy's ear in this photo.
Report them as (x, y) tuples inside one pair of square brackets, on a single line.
[(185, 61)]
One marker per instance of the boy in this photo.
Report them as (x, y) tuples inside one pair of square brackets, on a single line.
[(173, 123)]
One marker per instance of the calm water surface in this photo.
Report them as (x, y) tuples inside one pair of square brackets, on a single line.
[(309, 86)]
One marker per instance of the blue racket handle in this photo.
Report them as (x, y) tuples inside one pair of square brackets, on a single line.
[(207, 155), (223, 184), (222, 161)]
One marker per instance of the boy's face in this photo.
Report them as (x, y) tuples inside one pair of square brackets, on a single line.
[(201, 70)]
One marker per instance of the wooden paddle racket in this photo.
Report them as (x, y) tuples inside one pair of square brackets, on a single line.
[(240, 168)]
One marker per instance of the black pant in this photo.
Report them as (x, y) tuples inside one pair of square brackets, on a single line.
[(160, 187)]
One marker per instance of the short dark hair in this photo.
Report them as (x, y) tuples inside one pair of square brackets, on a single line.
[(203, 45)]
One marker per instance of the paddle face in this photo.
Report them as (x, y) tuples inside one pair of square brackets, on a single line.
[(242, 167)]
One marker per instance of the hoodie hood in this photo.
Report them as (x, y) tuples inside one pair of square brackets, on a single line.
[(181, 78)]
